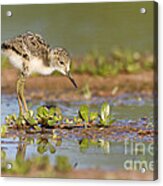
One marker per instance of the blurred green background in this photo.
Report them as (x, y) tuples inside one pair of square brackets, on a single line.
[(84, 27), (108, 37)]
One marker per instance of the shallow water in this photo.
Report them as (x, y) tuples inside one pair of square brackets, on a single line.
[(134, 110), (125, 106)]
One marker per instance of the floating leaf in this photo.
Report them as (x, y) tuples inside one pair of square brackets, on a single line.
[(45, 111), (32, 121), (31, 113), (58, 111), (77, 120), (29, 117), (84, 112), (51, 122), (105, 111), (20, 121), (37, 128), (49, 116), (42, 111), (67, 120), (52, 111), (11, 119), (93, 116)]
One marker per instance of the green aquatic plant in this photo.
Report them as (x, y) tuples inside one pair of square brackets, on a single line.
[(69, 121), (105, 111), (20, 121), (49, 116), (23, 120), (4, 129), (45, 118), (11, 119), (105, 116), (37, 128), (29, 118), (77, 119), (93, 116), (86, 115)]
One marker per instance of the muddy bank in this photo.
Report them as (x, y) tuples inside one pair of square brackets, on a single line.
[(59, 87), (89, 174)]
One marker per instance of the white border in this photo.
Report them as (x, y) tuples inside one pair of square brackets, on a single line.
[(40, 182)]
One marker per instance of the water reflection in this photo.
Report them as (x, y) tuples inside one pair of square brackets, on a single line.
[(85, 148)]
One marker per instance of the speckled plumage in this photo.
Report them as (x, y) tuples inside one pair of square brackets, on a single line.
[(28, 44), (30, 53)]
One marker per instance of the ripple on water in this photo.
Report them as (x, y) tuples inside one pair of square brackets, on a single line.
[(134, 115)]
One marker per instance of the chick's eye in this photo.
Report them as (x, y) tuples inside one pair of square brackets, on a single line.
[(61, 62)]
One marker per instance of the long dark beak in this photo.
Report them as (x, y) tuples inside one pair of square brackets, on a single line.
[(72, 79)]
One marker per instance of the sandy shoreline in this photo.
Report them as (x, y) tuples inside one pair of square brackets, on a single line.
[(91, 174), (59, 87)]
